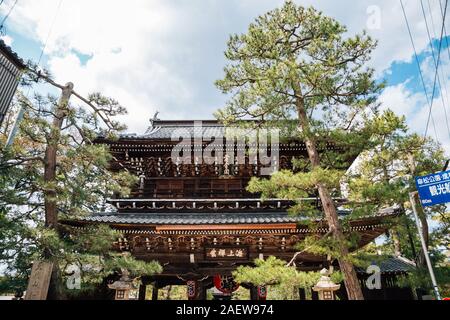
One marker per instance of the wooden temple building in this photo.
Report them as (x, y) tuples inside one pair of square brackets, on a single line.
[(198, 220)]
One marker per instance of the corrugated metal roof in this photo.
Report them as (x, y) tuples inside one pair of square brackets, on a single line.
[(10, 73)]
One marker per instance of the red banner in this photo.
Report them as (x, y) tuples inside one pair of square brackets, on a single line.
[(225, 284)]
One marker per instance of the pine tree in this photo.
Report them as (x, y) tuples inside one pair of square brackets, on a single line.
[(295, 63), (54, 171), (384, 177)]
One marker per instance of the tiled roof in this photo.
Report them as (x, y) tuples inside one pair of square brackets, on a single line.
[(168, 132), (169, 129), (173, 218), (392, 265), (191, 128), (191, 218)]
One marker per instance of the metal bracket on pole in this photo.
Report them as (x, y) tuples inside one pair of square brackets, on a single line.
[(446, 165), (16, 126), (424, 245)]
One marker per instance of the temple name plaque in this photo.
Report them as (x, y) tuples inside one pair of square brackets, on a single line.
[(227, 253)]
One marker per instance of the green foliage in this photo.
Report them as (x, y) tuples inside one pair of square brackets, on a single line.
[(294, 53), (82, 185), (282, 279), (420, 279), (298, 70), (136, 267), (295, 57), (295, 186), (289, 185), (384, 177)]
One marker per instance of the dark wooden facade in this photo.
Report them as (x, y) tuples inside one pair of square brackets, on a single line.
[(198, 220)]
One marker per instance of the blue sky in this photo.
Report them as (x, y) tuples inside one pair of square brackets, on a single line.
[(165, 55)]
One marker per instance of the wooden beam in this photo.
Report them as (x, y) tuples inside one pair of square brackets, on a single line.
[(292, 226), (142, 292)]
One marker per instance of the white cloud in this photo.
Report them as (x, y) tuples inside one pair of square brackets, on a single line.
[(126, 45), (165, 55), (7, 40), (401, 100), (414, 106)]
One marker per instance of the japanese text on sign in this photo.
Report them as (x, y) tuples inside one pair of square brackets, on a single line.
[(223, 253), (434, 188)]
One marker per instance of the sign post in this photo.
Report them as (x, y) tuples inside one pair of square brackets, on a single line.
[(424, 246), (39, 281), (433, 189)]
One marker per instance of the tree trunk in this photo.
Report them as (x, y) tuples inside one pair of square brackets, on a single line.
[(408, 230), (396, 241), (142, 291), (392, 232), (51, 211), (56, 290), (426, 236), (351, 280)]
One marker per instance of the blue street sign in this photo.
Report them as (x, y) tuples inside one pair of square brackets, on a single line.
[(434, 188)]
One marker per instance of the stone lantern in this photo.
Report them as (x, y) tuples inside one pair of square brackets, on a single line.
[(126, 288), (325, 287)]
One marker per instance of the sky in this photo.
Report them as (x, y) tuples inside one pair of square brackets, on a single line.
[(164, 55)]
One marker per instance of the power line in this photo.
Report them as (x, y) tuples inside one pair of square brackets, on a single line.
[(417, 61), (50, 31), (437, 67), (21, 112), (441, 88), (445, 30), (447, 43), (448, 48), (8, 14)]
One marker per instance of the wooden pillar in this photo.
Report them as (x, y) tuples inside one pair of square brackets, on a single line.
[(314, 295), (155, 291), (302, 293), (201, 291), (253, 293), (142, 291), (342, 293)]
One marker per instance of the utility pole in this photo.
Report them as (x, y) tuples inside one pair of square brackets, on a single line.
[(412, 196), (420, 228)]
